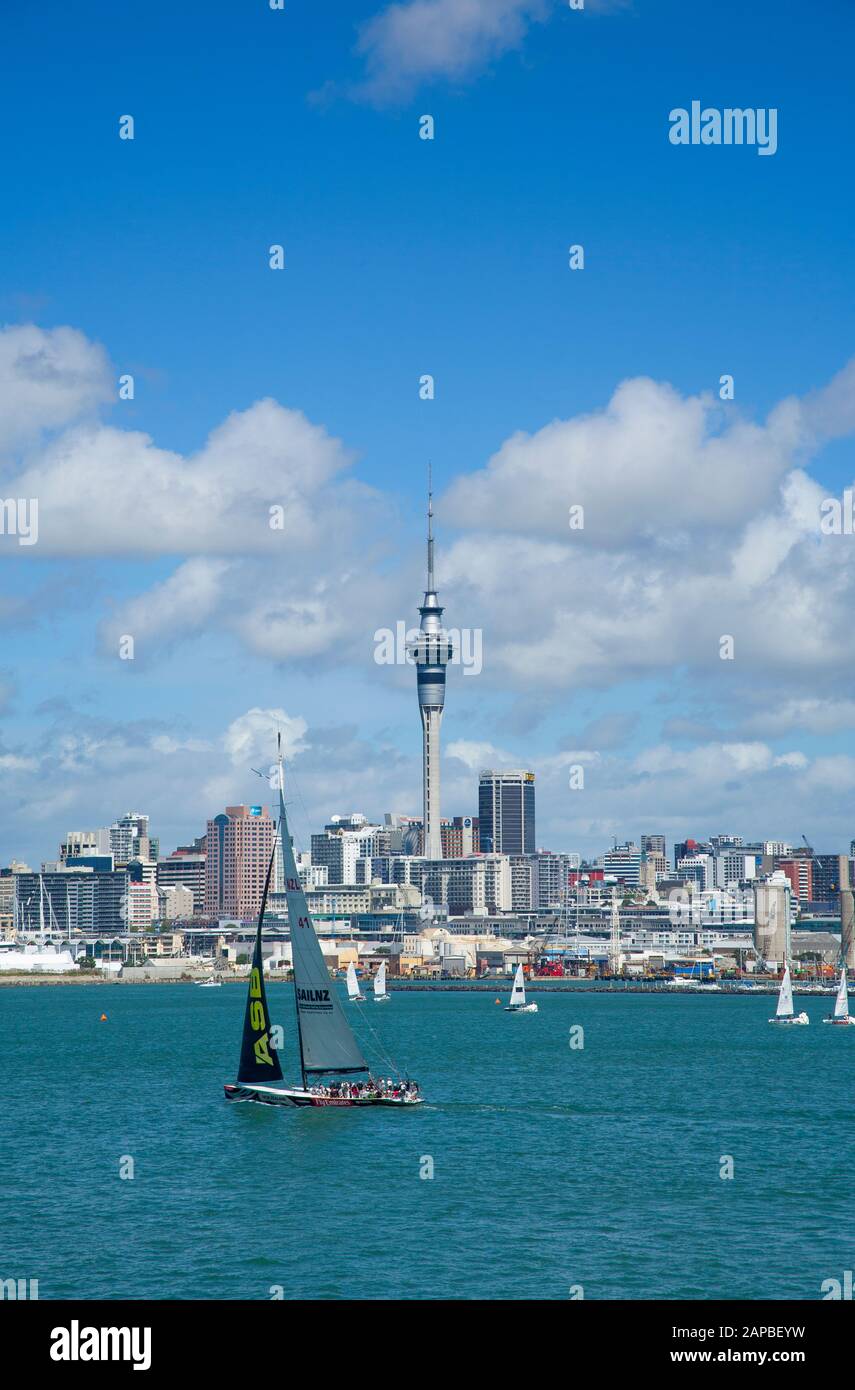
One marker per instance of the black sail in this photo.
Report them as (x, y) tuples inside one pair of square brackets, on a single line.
[(259, 1062)]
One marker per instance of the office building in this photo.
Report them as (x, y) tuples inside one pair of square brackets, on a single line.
[(506, 812)]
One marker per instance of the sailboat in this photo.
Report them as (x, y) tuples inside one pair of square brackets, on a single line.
[(327, 1045), (380, 995), (784, 1012), (841, 1003), (354, 993), (518, 1004)]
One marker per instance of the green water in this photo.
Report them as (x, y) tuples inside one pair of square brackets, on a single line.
[(552, 1166)]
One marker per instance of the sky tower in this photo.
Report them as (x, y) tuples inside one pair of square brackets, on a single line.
[(431, 651)]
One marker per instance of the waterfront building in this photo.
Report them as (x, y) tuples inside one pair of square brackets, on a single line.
[(175, 902), (65, 900), (478, 884), (506, 812), (239, 846)]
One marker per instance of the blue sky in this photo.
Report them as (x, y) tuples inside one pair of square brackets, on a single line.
[(406, 257)]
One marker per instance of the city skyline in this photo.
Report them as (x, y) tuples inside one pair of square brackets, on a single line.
[(601, 644)]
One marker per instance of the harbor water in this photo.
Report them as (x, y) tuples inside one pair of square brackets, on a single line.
[(580, 1151)]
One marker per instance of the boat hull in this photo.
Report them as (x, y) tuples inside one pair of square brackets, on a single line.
[(295, 1096), (796, 1018), (521, 1009), (839, 1022)]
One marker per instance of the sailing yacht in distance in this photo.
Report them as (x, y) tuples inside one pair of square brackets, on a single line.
[(327, 1044), (354, 993), (784, 1012), (518, 1004), (380, 995), (841, 1013)]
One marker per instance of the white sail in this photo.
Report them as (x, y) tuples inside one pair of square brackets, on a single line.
[(518, 991), (841, 1003), (380, 982), (326, 1037), (785, 996), (352, 982)]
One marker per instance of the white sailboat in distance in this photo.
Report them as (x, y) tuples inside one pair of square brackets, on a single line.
[(841, 1013), (380, 995), (518, 1004), (333, 1070), (784, 1012), (354, 993)]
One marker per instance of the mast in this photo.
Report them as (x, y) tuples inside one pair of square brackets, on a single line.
[(258, 1062)]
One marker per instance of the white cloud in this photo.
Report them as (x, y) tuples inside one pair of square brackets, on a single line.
[(48, 378), (422, 40), (252, 736), (114, 492), (476, 756)]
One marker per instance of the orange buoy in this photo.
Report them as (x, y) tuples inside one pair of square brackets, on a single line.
[(498, 1001), (103, 1018)]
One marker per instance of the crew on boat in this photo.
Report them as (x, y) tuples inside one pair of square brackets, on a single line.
[(385, 1088)]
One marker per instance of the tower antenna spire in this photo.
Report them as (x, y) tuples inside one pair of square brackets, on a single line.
[(430, 578)]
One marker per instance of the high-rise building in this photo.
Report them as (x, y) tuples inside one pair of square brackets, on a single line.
[(431, 652), (623, 863), (84, 844), (826, 877), (185, 870), (553, 877), (346, 841), (684, 848), (799, 871), (506, 812), (524, 882), (71, 900), (239, 845), (130, 839), (734, 866), (460, 837), (653, 844), (724, 842)]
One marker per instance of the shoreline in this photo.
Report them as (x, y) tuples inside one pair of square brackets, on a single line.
[(727, 990)]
